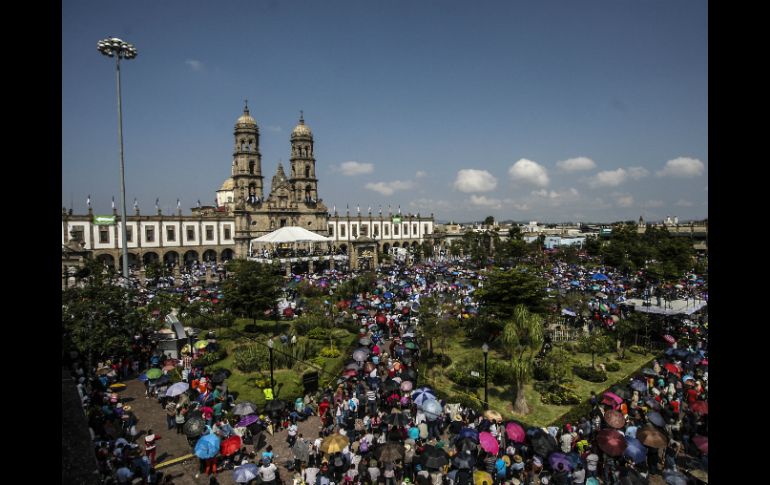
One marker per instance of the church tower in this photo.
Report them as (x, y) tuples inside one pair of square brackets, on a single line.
[(303, 180), (247, 161)]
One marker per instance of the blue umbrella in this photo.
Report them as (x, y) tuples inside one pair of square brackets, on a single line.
[(207, 446), (388, 295), (631, 432), (681, 353), (245, 473), (432, 408), (177, 389), (422, 394), (557, 457), (599, 277), (574, 283), (635, 450), (655, 418), (638, 385), (143, 378), (469, 433)]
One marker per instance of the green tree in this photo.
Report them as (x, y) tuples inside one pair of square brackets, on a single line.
[(489, 220), (504, 290), (557, 364), (252, 288), (523, 337)]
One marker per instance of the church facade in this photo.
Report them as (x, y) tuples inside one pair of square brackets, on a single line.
[(244, 210)]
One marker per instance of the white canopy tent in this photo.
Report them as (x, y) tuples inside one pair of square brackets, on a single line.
[(289, 235)]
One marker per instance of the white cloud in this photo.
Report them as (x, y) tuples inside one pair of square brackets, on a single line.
[(576, 164), (530, 172), (470, 180), (684, 203), (194, 64), (625, 201), (482, 200), (653, 204), (637, 173), (352, 168), (388, 188), (553, 194), (682, 167), (420, 174), (609, 178), (430, 204)]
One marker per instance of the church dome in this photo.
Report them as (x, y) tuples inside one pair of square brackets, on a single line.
[(301, 130), (228, 184), (246, 120)]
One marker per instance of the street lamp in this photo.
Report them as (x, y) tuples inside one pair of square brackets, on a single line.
[(270, 347), (485, 349), (114, 47)]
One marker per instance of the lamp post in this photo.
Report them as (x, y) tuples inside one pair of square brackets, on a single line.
[(114, 47), (270, 347), (485, 349)]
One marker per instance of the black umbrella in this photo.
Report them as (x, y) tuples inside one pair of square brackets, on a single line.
[(218, 378), (390, 385), (655, 418), (681, 353), (464, 460), (409, 375), (274, 405), (389, 452), (621, 391), (397, 419), (649, 372), (433, 457), (464, 444), (194, 427), (543, 443)]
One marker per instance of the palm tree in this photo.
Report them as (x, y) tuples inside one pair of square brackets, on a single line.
[(523, 335)]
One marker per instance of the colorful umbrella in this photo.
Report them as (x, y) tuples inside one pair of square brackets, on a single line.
[(207, 446), (177, 389), (635, 450), (201, 344), (469, 433), (612, 399), (422, 394), (672, 368), (702, 442), (556, 458), (247, 420), (614, 419), (611, 442), (488, 442), (334, 443), (651, 436), (638, 385), (230, 445), (154, 373), (245, 473), (360, 355), (701, 407), (117, 387), (406, 386), (481, 478), (432, 409), (656, 418), (669, 339), (515, 432)]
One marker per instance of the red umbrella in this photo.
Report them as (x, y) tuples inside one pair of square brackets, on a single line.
[(611, 442), (488, 442), (515, 432), (350, 373), (704, 362), (672, 368), (701, 407), (230, 445), (702, 442), (288, 312), (612, 399), (669, 339), (381, 319), (614, 418)]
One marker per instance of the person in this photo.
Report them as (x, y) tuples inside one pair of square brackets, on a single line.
[(592, 462), (268, 472), (180, 418), (150, 446), (672, 451), (578, 475), (171, 412)]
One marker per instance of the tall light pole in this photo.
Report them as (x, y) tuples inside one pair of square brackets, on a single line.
[(270, 346), (114, 47), (485, 349)]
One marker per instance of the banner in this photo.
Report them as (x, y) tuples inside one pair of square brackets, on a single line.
[(396, 220), (104, 220)]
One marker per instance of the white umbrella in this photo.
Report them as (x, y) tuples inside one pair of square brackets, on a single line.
[(177, 389)]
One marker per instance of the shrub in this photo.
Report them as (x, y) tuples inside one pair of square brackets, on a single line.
[(210, 357), (318, 360), (438, 360), (557, 394), (251, 328), (251, 358), (590, 374), (308, 321), (637, 349), (571, 347), (461, 375), (330, 352), (612, 366), (319, 333)]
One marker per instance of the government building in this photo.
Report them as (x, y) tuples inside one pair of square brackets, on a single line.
[(244, 211)]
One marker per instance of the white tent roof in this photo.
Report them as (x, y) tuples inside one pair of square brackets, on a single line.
[(291, 234)]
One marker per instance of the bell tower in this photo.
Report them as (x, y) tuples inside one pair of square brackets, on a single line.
[(247, 161), (303, 180)]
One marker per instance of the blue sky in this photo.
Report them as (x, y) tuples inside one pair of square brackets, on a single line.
[(530, 110)]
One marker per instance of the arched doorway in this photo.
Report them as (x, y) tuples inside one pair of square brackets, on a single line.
[(344, 248), (414, 244), (395, 244), (227, 254), (133, 261), (150, 257), (386, 248), (210, 255), (190, 257), (106, 259), (171, 258)]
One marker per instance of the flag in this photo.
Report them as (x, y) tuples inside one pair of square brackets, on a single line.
[(380, 208), (370, 209), (399, 209), (199, 202), (178, 204), (157, 200), (136, 204), (88, 201), (335, 209), (358, 209), (113, 201)]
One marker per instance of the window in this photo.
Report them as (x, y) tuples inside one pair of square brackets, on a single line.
[(251, 166), (149, 234), (283, 222), (387, 230), (425, 229), (104, 235), (354, 230), (376, 231), (129, 234), (395, 229), (209, 233), (78, 233), (414, 229), (171, 233), (406, 229), (364, 229), (331, 230), (227, 233), (190, 233), (342, 231)]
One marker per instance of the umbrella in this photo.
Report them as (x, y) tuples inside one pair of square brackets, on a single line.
[(244, 408), (675, 477), (599, 277), (614, 419), (635, 450), (611, 442), (201, 344), (245, 473), (543, 443), (669, 339), (638, 385), (143, 377), (681, 353), (193, 427), (422, 394), (218, 378), (481, 478), (651, 436), (177, 389), (389, 452), (397, 418), (464, 460), (557, 457), (353, 365), (702, 442), (621, 391), (655, 418), (230, 445), (515, 432), (488, 442), (469, 433), (611, 399), (433, 457), (672, 368), (207, 446), (701, 407), (274, 405), (349, 373), (161, 380), (600, 295), (154, 373), (493, 415), (432, 408), (406, 386), (169, 367), (652, 403), (364, 341), (117, 387), (247, 420), (410, 345), (334, 443), (360, 355), (649, 372)]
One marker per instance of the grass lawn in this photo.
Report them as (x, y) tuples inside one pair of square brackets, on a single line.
[(288, 382), (501, 397)]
